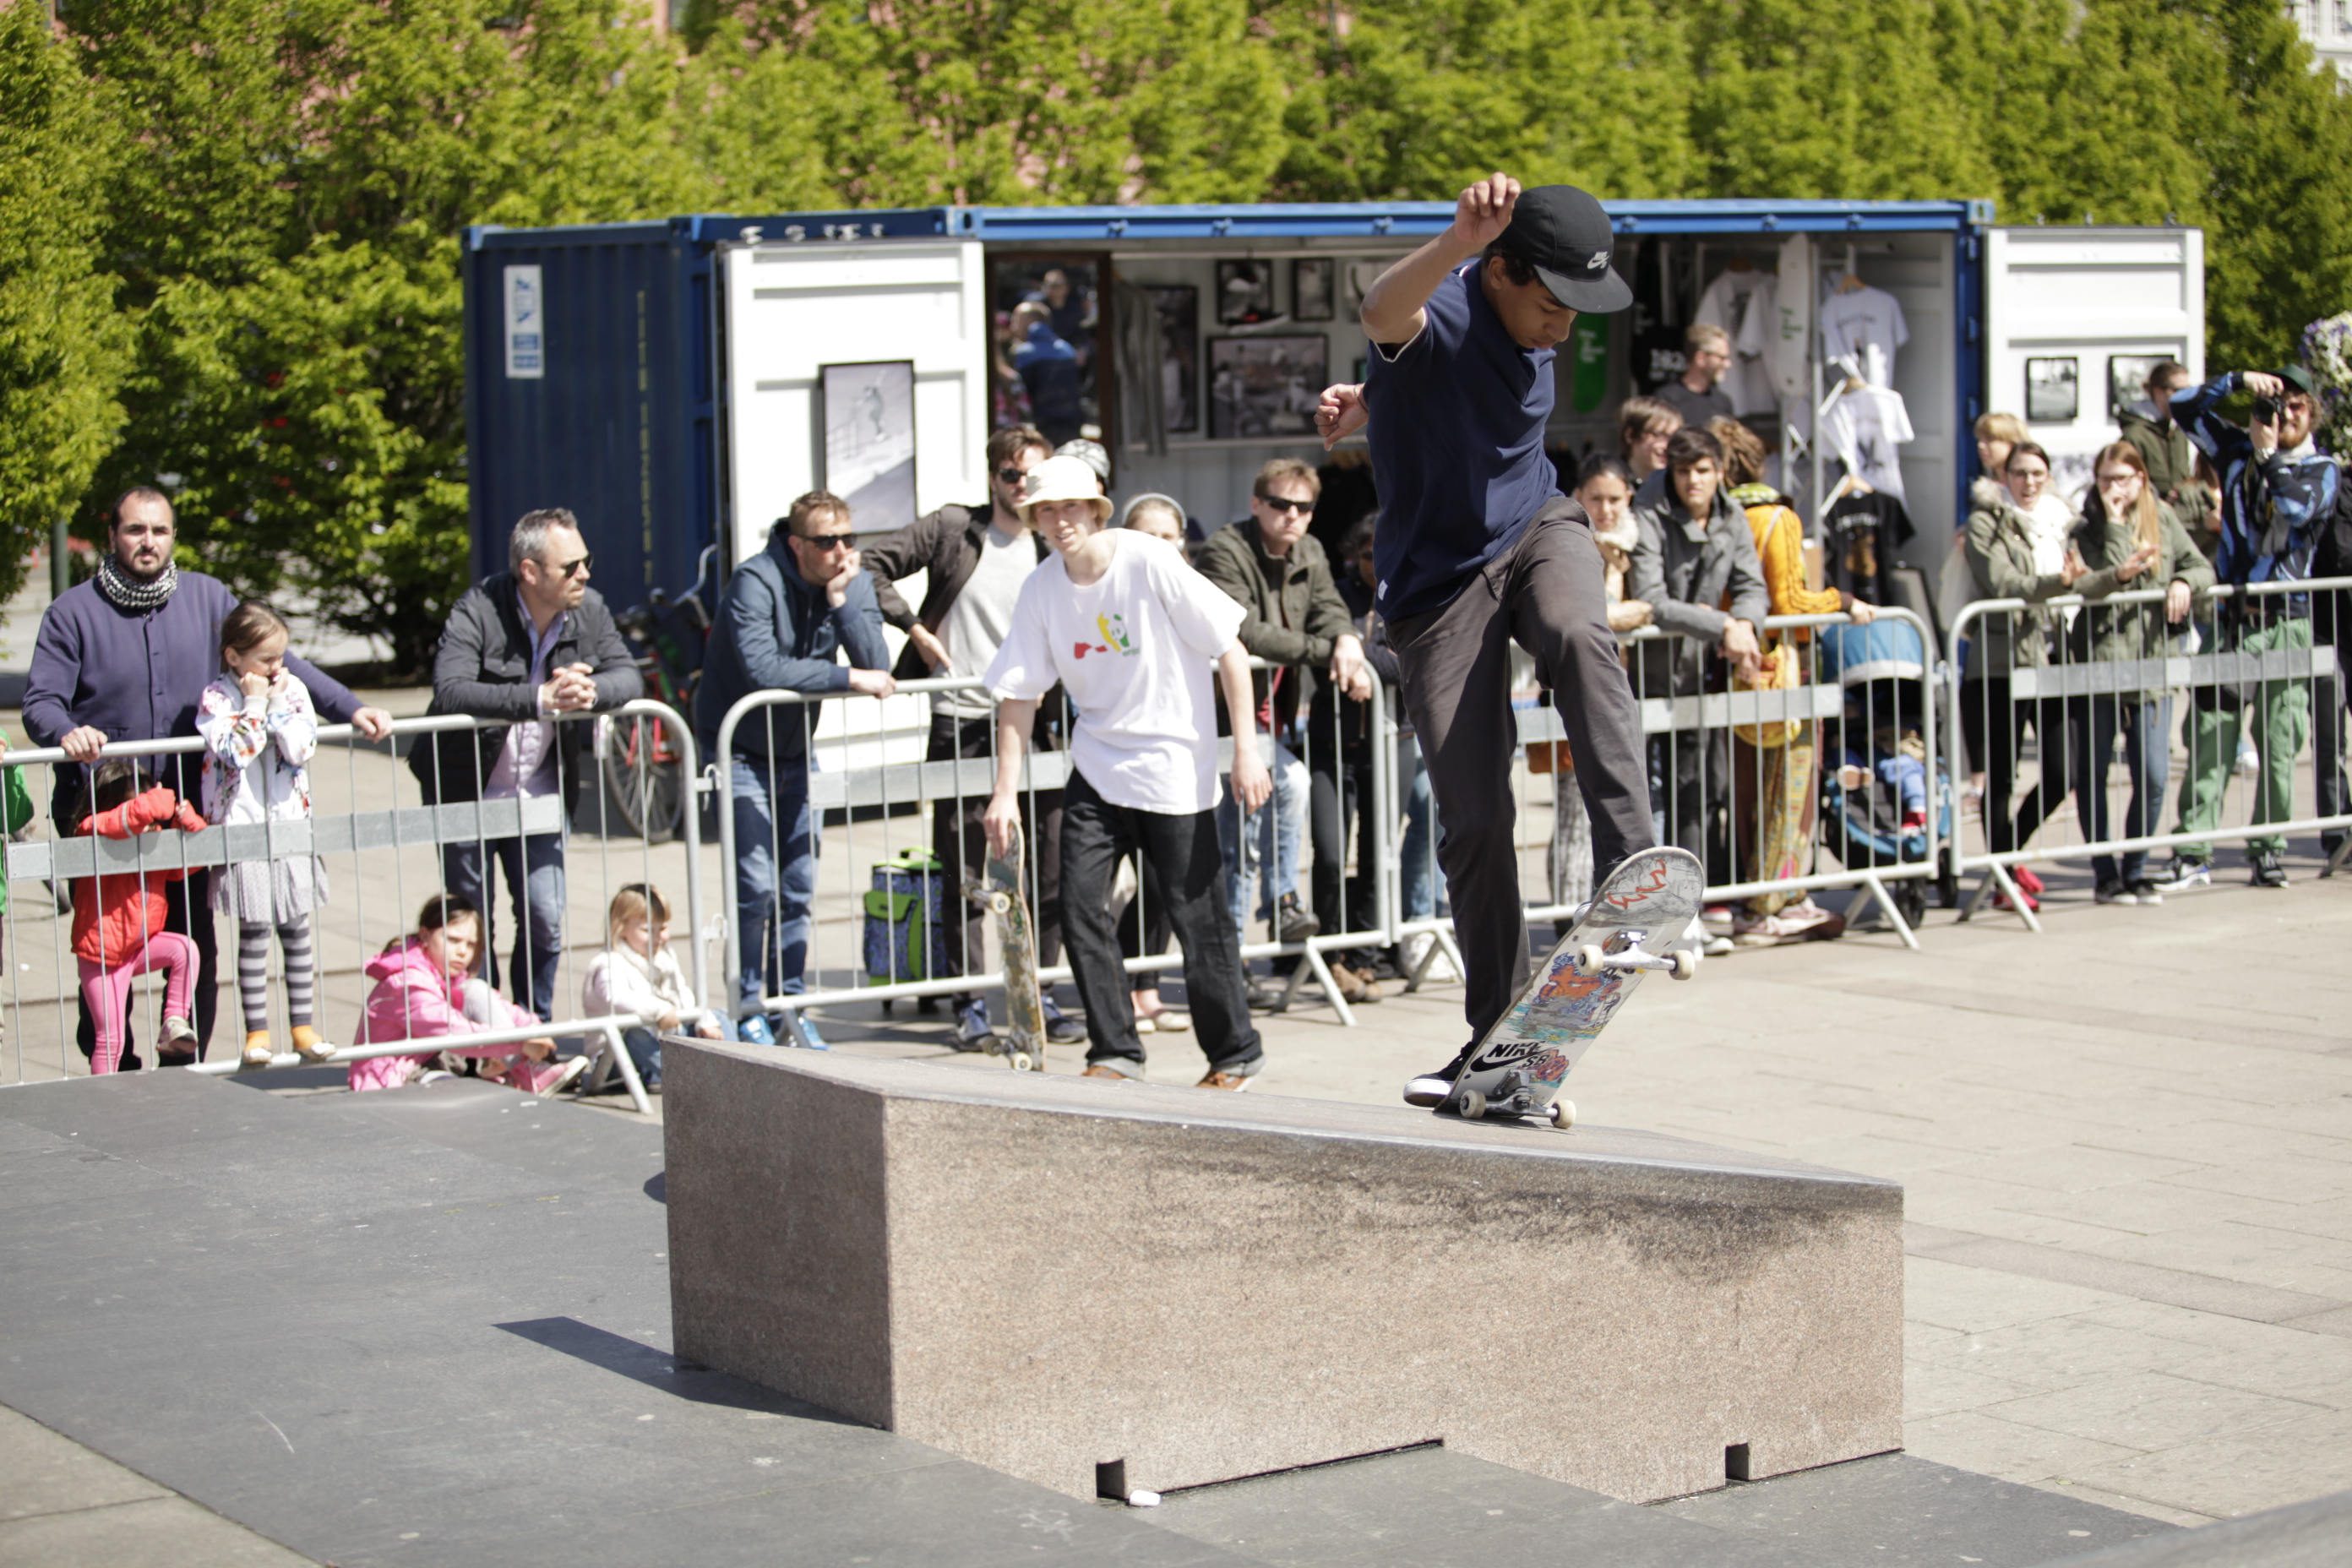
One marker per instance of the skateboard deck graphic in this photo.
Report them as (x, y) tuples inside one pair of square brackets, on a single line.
[(1639, 921), (1023, 1041)]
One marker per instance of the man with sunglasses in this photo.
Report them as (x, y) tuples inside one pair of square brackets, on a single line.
[(1295, 620), (975, 560), (787, 614), (525, 645)]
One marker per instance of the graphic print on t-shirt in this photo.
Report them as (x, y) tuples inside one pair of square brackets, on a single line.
[(1113, 629)]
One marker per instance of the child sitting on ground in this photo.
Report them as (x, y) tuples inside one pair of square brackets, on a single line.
[(426, 990), (637, 973), (118, 925)]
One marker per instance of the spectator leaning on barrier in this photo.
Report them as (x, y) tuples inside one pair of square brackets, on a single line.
[(125, 656), (2278, 493), (2128, 540), (1121, 621), (1694, 554), (974, 561), (1294, 619), (786, 613), (523, 645)]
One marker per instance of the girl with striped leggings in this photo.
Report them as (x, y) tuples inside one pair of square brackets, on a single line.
[(260, 732)]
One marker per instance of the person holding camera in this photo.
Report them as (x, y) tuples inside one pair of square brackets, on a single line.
[(2278, 492)]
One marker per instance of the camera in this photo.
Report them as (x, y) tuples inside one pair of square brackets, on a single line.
[(2266, 410)]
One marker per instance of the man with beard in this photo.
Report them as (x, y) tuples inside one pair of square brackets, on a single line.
[(124, 656)]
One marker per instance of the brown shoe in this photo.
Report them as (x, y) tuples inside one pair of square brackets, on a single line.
[(1096, 1070), (1232, 1082)]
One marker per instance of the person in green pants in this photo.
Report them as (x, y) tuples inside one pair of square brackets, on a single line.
[(2277, 493)]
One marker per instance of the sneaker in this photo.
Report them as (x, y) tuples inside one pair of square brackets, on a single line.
[(257, 1050), (2186, 871), (1356, 986), (1292, 923), (1806, 920), (754, 1031), (2025, 878), (434, 1075), (1096, 1069), (809, 1039), (1430, 1089), (971, 1030), (2270, 870), (2145, 891), (2000, 901), (1717, 946), (2250, 763), (176, 1031), (1059, 1029), (1719, 920), (1232, 1082), (2112, 892), (1266, 997), (565, 1077)]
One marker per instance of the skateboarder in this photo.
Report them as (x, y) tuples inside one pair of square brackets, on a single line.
[(1477, 548)]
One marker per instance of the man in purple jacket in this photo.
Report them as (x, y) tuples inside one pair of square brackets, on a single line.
[(124, 656)]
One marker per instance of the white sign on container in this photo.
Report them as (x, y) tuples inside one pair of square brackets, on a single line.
[(525, 325)]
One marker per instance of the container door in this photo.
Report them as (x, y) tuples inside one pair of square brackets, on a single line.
[(2074, 318), (860, 368)]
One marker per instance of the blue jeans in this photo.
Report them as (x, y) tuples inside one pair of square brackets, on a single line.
[(534, 867), (1277, 829), (645, 1049), (2146, 728), (1417, 856), (775, 876)]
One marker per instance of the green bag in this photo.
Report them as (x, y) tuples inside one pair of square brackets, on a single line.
[(906, 938), (15, 809)]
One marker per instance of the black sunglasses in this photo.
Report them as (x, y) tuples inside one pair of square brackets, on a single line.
[(828, 541), (1011, 476), (569, 569), (1274, 503)]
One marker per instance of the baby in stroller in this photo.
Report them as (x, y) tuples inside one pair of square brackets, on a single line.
[(1876, 805)]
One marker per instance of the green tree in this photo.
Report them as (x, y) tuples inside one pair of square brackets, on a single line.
[(62, 346)]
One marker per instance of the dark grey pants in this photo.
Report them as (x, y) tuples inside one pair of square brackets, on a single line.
[(1545, 593)]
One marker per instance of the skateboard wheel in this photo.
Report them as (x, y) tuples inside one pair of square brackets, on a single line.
[(1587, 960), (1472, 1105), (1021, 1061), (1563, 1114), (998, 903), (1685, 963)]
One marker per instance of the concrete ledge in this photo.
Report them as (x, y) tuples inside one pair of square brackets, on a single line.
[(1044, 1274)]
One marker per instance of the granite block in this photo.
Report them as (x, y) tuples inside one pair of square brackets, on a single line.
[(1045, 1274)]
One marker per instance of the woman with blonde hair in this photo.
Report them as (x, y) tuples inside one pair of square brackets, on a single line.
[(1773, 787), (2128, 539)]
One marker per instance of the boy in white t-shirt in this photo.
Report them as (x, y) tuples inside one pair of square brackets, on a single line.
[(1129, 631)]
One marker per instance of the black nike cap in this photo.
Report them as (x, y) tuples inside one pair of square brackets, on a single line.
[(1562, 233)]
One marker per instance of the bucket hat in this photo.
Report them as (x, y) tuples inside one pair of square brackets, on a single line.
[(1562, 233), (1063, 479)]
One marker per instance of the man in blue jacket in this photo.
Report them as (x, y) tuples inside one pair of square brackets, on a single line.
[(124, 656), (2277, 494), (786, 613)]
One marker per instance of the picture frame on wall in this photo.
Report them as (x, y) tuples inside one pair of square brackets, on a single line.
[(1177, 307), (869, 410), (2053, 393), (2127, 377), (1266, 388), (1244, 292), (1313, 283)]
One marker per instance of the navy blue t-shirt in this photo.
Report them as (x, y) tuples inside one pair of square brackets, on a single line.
[(1456, 434)]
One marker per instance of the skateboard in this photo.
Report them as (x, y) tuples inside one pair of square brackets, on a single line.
[(1638, 921), (1023, 1043)]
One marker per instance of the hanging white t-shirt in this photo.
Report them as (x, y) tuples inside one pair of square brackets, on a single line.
[(1134, 650), (1862, 429), (1733, 301), (1864, 327), (975, 626)]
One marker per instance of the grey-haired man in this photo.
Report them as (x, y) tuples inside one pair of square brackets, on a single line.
[(1477, 548)]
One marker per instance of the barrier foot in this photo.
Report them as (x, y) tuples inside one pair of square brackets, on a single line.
[(1444, 944), (628, 1067), (1893, 915), (2000, 873), (1323, 978)]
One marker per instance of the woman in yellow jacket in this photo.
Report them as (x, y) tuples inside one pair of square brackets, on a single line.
[(1773, 786)]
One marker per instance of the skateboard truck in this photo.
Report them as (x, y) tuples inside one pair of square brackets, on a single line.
[(1623, 951)]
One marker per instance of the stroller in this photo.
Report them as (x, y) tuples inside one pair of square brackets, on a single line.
[(1879, 790)]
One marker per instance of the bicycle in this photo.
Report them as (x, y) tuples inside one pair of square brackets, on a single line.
[(644, 770)]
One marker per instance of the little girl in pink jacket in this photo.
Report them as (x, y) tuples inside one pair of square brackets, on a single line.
[(424, 991)]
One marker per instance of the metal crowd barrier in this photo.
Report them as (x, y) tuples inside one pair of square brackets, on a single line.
[(383, 858), (874, 786), (2019, 669)]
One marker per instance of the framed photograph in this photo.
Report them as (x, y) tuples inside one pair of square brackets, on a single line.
[(1266, 387), (1357, 279), (2127, 377), (2054, 390), (869, 441), (1244, 292), (1312, 281), (1178, 309)]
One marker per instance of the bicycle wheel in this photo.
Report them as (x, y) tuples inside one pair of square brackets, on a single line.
[(642, 780)]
